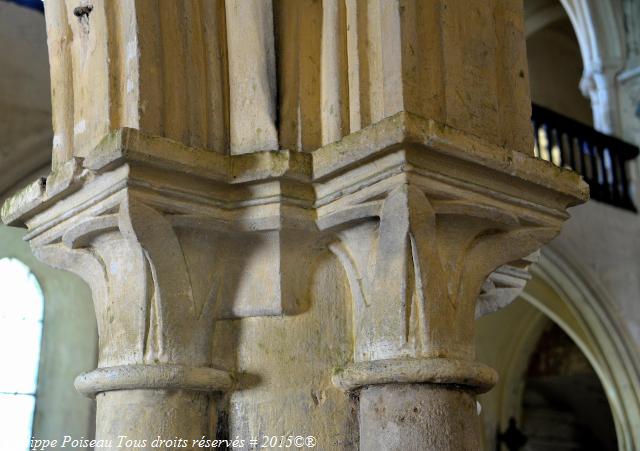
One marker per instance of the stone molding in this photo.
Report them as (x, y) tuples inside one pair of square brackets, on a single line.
[(132, 377), (504, 285), (171, 238), (475, 376), (318, 170), (169, 196)]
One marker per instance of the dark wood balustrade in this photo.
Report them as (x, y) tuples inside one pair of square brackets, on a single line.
[(601, 159)]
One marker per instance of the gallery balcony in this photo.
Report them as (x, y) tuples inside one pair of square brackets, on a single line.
[(600, 158)]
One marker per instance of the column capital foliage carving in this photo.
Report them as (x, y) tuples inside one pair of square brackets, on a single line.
[(170, 238)]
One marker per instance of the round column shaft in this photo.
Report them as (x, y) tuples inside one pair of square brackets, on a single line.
[(155, 419), (429, 417)]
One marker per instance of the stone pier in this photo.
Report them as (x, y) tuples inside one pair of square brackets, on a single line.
[(289, 212)]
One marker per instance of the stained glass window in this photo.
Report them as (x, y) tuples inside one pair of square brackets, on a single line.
[(21, 313)]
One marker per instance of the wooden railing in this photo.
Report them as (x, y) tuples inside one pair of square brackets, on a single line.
[(601, 159)]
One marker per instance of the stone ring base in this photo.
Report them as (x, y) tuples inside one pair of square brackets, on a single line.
[(475, 376), (145, 377)]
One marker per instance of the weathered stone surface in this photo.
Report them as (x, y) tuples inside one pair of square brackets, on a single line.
[(504, 285), (172, 239), (212, 80), (399, 417), (191, 194)]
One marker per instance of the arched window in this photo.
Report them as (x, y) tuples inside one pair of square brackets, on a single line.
[(21, 311)]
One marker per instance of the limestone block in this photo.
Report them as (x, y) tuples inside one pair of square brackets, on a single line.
[(340, 67), (208, 153), (397, 417), (252, 95), (174, 239), (124, 64)]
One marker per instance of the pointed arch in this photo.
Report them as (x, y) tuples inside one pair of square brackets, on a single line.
[(571, 297), (574, 300), (599, 27)]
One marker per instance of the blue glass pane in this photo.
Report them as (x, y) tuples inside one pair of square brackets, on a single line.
[(16, 421)]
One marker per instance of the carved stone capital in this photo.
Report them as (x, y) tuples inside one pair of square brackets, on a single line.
[(504, 285), (427, 232), (171, 238), (215, 201)]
